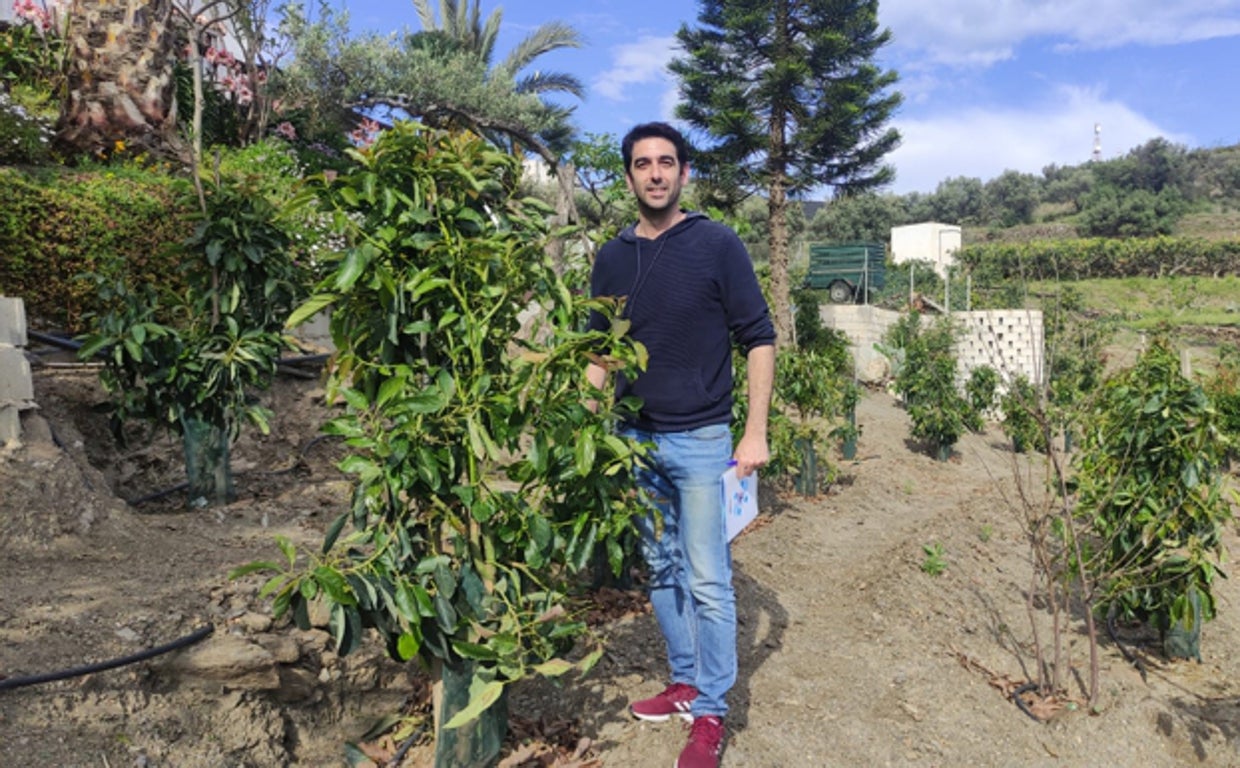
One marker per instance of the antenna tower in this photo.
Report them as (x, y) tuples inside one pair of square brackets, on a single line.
[(1097, 155)]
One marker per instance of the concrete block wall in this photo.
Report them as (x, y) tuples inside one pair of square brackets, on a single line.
[(16, 384), (1010, 341), (864, 326)]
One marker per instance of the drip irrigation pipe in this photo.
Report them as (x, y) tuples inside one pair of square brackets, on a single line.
[(56, 341), (74, 345), (404, 748), (1020, 703), (196, 636)]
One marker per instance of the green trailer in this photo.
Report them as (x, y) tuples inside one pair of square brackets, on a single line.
[(849, 272)]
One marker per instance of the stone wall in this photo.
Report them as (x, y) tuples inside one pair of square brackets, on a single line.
[(16, 384)]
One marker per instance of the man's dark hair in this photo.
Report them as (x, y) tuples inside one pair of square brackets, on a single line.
[(653, 131)]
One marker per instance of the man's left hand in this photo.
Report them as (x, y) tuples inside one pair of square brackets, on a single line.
[(750, 454)]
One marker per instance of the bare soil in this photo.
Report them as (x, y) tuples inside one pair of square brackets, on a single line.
[(851, 653)]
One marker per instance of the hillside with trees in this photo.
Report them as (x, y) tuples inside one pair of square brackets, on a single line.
[(1156, 189)]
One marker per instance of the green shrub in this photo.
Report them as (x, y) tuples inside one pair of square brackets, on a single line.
[(1024, 420), (1152, 494), (25, 136), (56, 227), (1084, 259), (1223, 389), (926, 379), (980, 390)]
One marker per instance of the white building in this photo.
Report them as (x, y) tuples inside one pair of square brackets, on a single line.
[(928, 241)]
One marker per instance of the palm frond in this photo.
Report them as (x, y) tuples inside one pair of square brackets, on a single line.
[(548, 37), (426, 15), (550, 82)]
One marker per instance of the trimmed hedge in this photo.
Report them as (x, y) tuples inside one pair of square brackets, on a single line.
[(58, 225), (1092, 258)]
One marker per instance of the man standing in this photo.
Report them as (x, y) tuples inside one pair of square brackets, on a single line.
[(690, 294)]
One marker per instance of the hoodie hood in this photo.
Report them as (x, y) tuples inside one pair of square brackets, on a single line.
[(629, 233)]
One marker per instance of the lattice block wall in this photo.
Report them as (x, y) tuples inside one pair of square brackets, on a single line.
[(1010, 341)]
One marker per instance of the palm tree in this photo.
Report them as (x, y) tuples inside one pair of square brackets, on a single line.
[(545, 129), (462, 23), (120, 87)]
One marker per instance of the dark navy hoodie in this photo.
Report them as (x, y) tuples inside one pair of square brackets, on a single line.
[(691, 295)]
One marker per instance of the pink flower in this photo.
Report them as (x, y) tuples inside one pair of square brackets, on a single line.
[(286, 130), (34, 13)]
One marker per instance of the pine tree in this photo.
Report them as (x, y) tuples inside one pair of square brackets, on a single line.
[(790, 101)]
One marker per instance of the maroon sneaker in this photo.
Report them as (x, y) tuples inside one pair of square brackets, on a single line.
[(675, 700), (705, 744)]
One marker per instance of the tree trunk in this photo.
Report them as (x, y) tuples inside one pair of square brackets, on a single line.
[(780, 291), (121, 89), (777, 203), (565, 210)]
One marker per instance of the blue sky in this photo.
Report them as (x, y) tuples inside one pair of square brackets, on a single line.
[(988, 86)]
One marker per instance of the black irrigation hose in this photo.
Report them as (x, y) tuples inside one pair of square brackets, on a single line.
[(20, 682), (181, 486), (72, 345), (1020, 703), (404, 748)]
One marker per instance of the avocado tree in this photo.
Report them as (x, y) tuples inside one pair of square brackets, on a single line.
[(1151, 495), (484, 479), (190, 360)]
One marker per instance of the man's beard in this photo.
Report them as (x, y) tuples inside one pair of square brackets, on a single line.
[(669, 203)]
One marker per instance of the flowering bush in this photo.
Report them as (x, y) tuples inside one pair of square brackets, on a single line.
[(24, 136), (31, 49)]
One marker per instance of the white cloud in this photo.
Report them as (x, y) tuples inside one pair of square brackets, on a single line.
[(982, 143), (981, 32), (639, 64)]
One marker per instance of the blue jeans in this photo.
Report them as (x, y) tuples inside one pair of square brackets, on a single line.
[(689, 559)]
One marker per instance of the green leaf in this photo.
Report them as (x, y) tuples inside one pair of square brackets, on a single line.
[(474, 651), (334, 584), (477, 704), (389, 389), (584, 453), (355, 263), (589, 660), (333, 532), (287, 547), (445, 615), (254, 567), (407, 645), (311, 307), (553, 667)]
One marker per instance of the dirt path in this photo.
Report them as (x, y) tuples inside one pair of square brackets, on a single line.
[(850, 653)]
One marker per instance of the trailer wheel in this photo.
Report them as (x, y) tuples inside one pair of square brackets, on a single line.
[(840, 292)]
